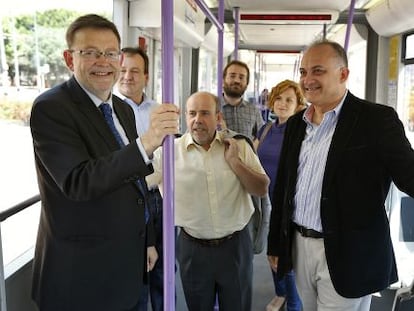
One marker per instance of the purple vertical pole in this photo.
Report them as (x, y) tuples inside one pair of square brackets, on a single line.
[(168, 235), (236, 32), (349, 24), (220, 50), (220, 73)]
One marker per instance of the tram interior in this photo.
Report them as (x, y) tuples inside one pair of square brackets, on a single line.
[(272, 35)]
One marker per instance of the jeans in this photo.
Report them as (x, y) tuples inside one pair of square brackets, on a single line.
[(286, 287), (154, 288)]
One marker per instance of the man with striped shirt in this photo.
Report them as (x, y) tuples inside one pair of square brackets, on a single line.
[(338, 159)]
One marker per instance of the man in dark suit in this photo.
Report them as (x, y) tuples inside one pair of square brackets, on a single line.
[(90, 250), (338, 159)]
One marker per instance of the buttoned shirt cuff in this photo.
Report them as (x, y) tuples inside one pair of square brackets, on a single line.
[(141, 148)]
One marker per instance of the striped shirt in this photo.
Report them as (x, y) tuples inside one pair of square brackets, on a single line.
[(311, 170)]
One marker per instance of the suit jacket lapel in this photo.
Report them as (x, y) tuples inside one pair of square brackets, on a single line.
[(297, 137), (121, 110), (125, 117), (91, 113)]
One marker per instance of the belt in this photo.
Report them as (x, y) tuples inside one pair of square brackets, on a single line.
[(308, 233), (209, 242)]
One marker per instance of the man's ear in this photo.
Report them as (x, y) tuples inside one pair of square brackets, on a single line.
[(67, 55), (344, 74), (221, 123)]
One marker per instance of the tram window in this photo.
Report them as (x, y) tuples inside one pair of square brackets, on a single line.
[(408, 100), (207, 76), (32, 35), (408, 48)]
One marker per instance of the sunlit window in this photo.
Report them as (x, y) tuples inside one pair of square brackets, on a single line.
[(408, 89), (207, 72), (32, 40)]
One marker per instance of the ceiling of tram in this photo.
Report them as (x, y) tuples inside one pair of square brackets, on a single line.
[(260, 28)]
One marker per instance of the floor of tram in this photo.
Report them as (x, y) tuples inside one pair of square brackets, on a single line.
[(263, 289)]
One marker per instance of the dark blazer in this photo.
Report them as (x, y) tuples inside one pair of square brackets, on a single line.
[(90, 250), (368, 151)]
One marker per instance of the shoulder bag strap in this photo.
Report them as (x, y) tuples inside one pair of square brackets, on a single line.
[(265, 131)]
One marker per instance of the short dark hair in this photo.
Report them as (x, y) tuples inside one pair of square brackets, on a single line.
[(138, 51), (237, 63), (339, 50), (90, 21)]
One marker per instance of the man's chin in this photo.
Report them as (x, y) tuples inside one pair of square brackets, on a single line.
[(233, 94)]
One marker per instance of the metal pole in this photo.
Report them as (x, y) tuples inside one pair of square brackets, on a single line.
[(220, 30), (349, 24), (220, 50), (206, 10), (236, 11), (167, 45)]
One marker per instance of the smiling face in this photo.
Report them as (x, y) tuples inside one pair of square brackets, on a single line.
[(285, 105), (323, 77), (202, 118), (133, 78), (97, 75)]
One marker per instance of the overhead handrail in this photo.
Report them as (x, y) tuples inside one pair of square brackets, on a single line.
[(349, 24), (220, 30), (207, 12)]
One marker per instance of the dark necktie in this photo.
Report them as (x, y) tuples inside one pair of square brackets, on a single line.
[(107, 113)]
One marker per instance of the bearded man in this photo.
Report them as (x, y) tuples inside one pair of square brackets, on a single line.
[(239, 115)]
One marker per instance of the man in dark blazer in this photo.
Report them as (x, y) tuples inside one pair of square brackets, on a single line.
[(90, 250), (338, 158)]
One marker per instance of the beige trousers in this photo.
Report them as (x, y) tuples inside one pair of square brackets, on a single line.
[(314, 282)]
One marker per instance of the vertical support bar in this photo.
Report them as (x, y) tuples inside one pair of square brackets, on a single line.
[(3, 305), (220, 73), (167, 45), (220, 50), (349, 24), (236, 17)]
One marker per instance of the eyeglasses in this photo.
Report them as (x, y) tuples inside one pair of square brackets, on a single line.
[(95, 54)]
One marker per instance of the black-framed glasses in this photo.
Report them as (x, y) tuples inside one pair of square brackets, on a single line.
[(95, 54)]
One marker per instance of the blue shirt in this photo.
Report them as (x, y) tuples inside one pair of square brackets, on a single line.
[(311, 170), (142, 113)]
